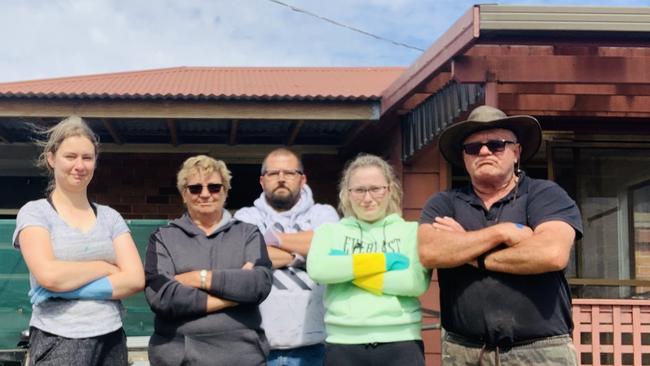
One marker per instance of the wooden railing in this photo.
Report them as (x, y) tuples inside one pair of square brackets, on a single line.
[(612, 332)]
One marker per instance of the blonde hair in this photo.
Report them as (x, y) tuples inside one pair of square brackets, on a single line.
[(366, 161), (72, 126), (202, 164)]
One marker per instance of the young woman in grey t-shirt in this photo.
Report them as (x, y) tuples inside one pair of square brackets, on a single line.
[(81, 258)]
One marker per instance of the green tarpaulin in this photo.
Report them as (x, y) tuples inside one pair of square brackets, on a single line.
[(15, 308)]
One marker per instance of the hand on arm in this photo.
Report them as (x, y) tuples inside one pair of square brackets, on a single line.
[(214, 303), (100, 289), (248, 285), (127, 280), (546, 249), (445, 244), (296, 242), (130, 277), (279, 257), (54, 274), (413, 280)]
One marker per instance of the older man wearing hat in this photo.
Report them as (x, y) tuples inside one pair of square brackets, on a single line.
[(500, 246)]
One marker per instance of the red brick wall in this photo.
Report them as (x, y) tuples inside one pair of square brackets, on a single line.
[(143, 186), (139, 186)]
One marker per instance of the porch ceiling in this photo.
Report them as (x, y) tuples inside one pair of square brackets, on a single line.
[(182, 122), (188, 131)]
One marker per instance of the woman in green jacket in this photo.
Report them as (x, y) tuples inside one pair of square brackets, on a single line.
[(370, 264)]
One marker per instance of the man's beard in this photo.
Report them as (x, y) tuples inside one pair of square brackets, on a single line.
[(282, 202)]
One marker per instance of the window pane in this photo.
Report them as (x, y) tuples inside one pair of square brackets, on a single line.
[(640, 196), (608, 185)]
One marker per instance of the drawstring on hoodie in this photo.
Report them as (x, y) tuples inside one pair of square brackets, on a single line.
[(288, 221), (359, 244)]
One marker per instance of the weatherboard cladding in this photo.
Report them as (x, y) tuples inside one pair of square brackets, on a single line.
[(215, 83), (564, 18)]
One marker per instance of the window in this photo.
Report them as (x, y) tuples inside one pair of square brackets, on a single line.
[(611, 184)]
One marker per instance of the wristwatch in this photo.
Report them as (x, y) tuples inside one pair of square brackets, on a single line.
[(203, 276)]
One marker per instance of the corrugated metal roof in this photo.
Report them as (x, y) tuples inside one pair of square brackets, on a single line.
[(250, 83)]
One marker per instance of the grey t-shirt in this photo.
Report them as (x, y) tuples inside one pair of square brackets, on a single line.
[(74, 318)]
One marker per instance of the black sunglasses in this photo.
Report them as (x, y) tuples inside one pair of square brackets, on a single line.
[(495, 146), (198, 188)]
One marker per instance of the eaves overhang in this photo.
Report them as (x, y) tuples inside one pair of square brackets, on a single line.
[(409, 99)]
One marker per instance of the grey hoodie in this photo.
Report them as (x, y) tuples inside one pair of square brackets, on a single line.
[(292, 315), (183, 331)]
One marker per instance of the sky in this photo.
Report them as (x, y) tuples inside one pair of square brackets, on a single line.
[(57, 38)]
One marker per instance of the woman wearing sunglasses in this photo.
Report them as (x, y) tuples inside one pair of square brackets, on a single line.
[(206, 274), (81, 259), (370, 264)]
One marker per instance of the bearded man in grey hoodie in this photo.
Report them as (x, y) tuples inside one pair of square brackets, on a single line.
[(285, 212)]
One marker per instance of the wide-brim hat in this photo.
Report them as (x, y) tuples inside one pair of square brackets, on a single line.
[(526, 128)]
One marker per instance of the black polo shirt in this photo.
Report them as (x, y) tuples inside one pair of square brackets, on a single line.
[(501, 309)]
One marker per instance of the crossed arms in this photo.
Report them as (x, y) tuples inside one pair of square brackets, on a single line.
[(126, 275), (546, 248)]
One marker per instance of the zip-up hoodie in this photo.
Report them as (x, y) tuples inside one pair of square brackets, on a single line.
[(354, 315), (183, 331), (292, 315)]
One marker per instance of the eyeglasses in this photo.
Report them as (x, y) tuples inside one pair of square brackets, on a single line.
[(198, 188), (287, 173), (375, 191), (495, 146)]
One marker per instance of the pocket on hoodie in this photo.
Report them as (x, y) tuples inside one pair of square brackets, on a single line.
[(244, 347), (166, 350)]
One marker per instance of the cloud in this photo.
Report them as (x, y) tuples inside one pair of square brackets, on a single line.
[(54, 38)]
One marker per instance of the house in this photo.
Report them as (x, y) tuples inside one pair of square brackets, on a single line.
[(583, 72)]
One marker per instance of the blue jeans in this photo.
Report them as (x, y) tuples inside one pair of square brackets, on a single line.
[(302, 356)]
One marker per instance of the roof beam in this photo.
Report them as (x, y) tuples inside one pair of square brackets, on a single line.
[(244, 154), (413, 102), (294, 132), (179, 109), (355, 132), (577, 104), (585, 89), (435, 84), (112, 131), (234, 125), (173, 131), (552, 69)]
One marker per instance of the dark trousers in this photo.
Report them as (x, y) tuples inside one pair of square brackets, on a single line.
[(48, 349), (409, 353)]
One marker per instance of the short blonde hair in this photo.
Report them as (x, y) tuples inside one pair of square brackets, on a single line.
[(202, 164), (72, 126), (365, 161)]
